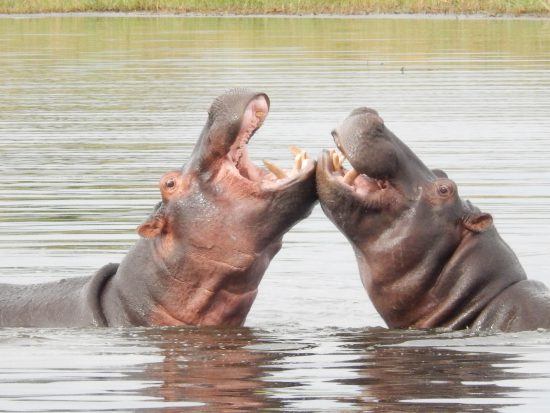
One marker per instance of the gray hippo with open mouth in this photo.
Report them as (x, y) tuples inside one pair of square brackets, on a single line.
[(204, 249), (426, 257)]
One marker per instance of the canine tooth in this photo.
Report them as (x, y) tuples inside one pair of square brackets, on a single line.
[(350, 176), (295, 150), (336, 161), (278, 172), (298, 161), (260, 114), (341, 156)]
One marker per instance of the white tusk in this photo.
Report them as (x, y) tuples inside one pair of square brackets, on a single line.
[(295, 150), (298, 161), (350, 176), (278, 172), (336, 161)]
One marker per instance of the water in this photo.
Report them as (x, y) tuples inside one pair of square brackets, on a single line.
[(93, 110)]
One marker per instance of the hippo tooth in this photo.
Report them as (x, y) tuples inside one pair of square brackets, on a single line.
[(260, 114), (295, 150), (278, 172), (298, 161), (304, 158), (341, 156), (336, 161), (350, 176)]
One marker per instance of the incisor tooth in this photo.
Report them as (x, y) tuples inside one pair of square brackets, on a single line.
[(350, 176), (278, 172), (260, 114)]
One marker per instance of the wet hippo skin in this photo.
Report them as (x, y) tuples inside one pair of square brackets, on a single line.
[(426, 257), (205, 247)]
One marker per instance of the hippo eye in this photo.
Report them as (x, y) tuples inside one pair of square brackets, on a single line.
[(170, 184), (444, 190)]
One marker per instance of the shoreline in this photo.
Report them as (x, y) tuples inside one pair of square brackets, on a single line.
[(373, 16), (286, 8)]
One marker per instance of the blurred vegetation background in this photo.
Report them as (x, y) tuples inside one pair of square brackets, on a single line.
[(489, 7)]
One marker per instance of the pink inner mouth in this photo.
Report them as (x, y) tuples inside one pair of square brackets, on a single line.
[(252, 119), (238, 161), (363, 185)]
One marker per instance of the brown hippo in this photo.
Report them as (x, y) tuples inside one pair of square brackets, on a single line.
[(203, 250), (426, 257)]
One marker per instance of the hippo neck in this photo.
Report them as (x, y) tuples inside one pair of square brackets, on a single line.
[(191, 289), (446, 285)]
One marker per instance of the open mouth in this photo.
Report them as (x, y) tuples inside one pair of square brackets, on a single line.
[(272, 175), (351, 179)]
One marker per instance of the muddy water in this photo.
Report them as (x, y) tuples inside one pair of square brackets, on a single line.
[(93, 110)]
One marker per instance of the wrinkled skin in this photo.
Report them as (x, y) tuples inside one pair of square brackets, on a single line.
[(204, 249), (426, 257)]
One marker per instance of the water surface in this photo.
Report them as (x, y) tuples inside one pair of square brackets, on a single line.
[(93, 110)]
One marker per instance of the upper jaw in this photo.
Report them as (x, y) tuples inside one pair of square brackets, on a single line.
[(271, 177), (252, 119)]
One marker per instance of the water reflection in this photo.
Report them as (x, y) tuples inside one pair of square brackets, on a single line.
[(211, 366), (399, 378), (235, 370), (172, 369)]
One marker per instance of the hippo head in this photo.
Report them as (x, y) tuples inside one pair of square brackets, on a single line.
[(404, 221), (388, 185), (222, 218), (220, 191)]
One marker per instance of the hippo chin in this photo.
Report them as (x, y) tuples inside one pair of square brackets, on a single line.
[(204, 249), (426, 258)]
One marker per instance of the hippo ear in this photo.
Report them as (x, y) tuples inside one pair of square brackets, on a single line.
[(153, 227), (478, 221), (440, 173)]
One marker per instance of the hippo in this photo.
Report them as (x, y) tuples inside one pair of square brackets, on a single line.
[(427, 258), (203, 250)]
